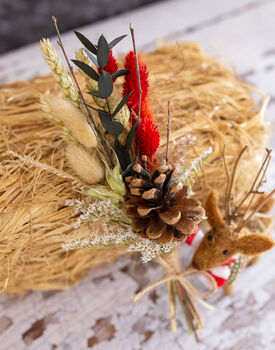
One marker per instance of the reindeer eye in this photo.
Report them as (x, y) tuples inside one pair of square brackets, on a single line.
[(209, 238), (225, 252)]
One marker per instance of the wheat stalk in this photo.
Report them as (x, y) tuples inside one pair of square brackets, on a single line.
[(60, 74), (27, 160)]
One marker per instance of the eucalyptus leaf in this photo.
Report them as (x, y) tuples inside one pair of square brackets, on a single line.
[(103, 52), (87, 69), (105, 84), (130, 137), (86, 104), (86, 42), (121, 103), (123, 157), (96, 94), (116, 41), (127, 169), (92, 58), (112, 126), (120, 73), (122, 151)]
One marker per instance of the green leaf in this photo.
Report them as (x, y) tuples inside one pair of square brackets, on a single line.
[(103, 52), (116, 41), (120, 73), (87, 69), (115, 180), (105, 84), (92, 58), (86, 42), (96, 94), (112, 126), (121, 103), (122, 151), (130, 137), (123, 156), (102, 192), (86, 104), (127, 169)]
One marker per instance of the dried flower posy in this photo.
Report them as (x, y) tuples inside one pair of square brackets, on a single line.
[(130, 198)]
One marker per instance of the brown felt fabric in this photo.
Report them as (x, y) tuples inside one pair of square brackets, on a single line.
[(210, 252), (254, 244), (213, 213)]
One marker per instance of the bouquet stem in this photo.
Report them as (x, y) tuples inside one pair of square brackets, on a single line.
[(179, 286), (171, 265)]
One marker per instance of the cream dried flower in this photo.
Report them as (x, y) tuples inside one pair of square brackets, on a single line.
[(86, 165), (73, 119)]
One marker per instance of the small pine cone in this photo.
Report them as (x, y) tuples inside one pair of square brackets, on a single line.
[(160, 208)]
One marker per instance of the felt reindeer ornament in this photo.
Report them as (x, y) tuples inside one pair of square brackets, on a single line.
[(226, 237), (221, 274)]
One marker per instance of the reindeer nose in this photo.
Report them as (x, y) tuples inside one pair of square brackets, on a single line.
[(195, 265)]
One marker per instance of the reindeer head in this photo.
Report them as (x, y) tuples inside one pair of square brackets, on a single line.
[(224, 240)]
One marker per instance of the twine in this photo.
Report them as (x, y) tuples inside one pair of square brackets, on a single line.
[(172, 268)]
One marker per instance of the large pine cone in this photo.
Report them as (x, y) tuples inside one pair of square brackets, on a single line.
[(160, 208)]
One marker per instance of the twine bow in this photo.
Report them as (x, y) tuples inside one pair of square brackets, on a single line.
[(170, 263)]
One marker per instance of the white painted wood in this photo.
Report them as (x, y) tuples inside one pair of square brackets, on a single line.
[(151, 23), (242, 32)]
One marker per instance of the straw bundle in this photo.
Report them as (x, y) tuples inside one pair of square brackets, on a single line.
[(210, 107)]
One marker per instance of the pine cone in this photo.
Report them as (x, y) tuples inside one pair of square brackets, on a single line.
[(160, 208)]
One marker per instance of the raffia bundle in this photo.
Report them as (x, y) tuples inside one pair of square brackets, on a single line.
[(210, 107)]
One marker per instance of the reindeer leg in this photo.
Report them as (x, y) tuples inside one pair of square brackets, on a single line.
[(228, 289), (253, 260)]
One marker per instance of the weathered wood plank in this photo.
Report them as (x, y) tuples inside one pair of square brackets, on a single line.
[(151, 23)]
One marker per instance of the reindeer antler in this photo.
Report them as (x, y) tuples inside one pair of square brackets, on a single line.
[(230, 184), (243, 221), (255, 191), (226, 204), (213, 213), (263, 169)]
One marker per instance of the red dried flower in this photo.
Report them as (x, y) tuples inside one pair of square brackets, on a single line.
[(111, 66), (147, 138), (131, 81), (146, 112)]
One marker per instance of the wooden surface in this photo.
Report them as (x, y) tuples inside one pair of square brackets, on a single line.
[(98, 313)]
